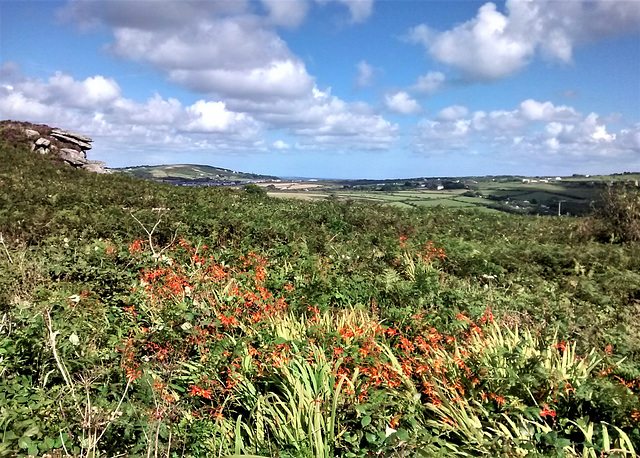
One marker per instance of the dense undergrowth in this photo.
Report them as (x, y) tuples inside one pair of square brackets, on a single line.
[(141, 319)]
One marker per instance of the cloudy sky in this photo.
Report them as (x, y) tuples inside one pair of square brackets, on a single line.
[(333, 88)]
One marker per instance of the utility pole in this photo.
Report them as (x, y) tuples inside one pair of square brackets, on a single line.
[(560, 205)]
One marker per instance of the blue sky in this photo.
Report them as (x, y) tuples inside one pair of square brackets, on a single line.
[(333, 88)]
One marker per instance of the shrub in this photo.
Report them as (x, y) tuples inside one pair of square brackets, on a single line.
[(254, 189), (618, 214)]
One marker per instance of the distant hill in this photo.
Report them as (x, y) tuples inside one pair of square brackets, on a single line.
[(191, 173)]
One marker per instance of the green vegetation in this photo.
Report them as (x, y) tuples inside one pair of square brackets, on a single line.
[(190, 173), (618, 215), (512, 194), (144, 319)]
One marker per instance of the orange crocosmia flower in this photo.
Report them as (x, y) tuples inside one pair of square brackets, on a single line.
[(227, 320), (547, 412), (459, 362), (560, 345), (624, 382), (136, 246), (133, 374), (197, 259), (568, 388), (449, 421), (488, 316), (405, 344), (196, 390), (421, 369), (346, 333)]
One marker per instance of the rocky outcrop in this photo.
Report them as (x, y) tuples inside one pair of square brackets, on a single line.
[(69, 137), (96, 166), (74, 157), (69, 147)]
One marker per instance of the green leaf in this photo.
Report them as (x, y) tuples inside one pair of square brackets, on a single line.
[(24, 442), (49, 442), (365, 420), (362, 408)]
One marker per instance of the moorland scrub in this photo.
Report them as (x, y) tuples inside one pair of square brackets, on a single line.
[(143, 319)]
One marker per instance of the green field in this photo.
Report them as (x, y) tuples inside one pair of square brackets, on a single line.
[(576, 196), (542, 196)]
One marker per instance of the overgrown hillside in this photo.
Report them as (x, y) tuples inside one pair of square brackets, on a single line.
[(140, 318)]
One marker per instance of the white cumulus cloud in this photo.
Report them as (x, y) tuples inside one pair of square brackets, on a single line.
[(245, 73), (534, 130), (429, 83), (360, 9), (481, 47), (402, 103), (452, 113), (95, 107), (207, 117), (494, 45), (281, 145), (290, 13), (546, 111), (278, 79)]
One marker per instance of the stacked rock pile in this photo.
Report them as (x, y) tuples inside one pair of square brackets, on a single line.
[(68, 146)]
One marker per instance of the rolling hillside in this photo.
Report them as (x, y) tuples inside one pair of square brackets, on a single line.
[(190, 172)]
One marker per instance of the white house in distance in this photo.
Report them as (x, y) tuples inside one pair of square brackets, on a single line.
[(541, 180)]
